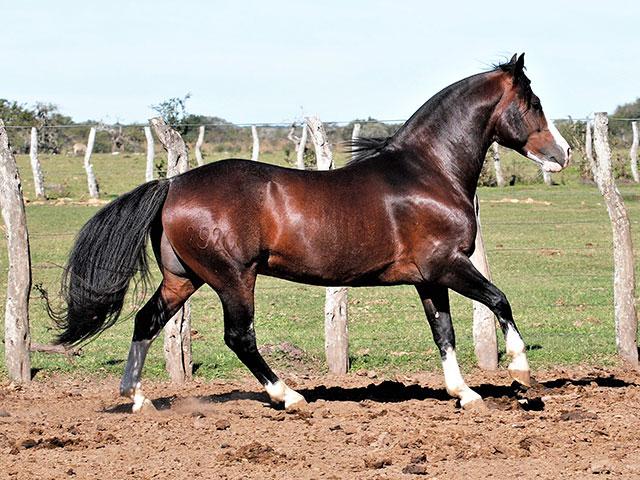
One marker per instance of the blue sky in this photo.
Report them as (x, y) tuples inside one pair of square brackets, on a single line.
[(268, 61)]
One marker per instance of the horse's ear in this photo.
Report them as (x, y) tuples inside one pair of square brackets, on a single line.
[(513, 59), (519, 63)]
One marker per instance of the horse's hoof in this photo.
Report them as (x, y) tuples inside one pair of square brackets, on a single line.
[(146, 406), (477, 405), (523, 377), (298, 404)]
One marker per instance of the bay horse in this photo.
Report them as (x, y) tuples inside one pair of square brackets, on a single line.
[(401, 212)]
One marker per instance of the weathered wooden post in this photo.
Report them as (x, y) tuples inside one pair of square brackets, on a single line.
[(624, 282), (17, 338), (150, 154), (299, 144), (36, 168), (336, 329), (88, 167), (546, 176), (633, 153), (484, 324), (199, 143), (177, 153), (301, 147), (177, 331), (497, 165), (255, 151), (355, 134), (588, 145)]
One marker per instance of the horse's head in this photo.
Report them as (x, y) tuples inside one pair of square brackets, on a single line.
[(521, 124)]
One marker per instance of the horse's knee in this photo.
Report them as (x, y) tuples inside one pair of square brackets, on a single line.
[(240, 341), (500, 305)]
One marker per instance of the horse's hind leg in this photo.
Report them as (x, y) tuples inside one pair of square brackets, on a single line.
[(435, 300), (165, 302), (465, 279), (237, 298)]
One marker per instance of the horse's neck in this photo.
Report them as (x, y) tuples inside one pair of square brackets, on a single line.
[(452, 132)]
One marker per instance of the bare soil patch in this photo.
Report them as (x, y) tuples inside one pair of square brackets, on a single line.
[(577, 422)]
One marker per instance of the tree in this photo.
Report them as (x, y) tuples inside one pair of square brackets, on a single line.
[(47, 115), (174, 112), (191, 122), (14, 113), (620, 130), (370, 128), (628, 110)]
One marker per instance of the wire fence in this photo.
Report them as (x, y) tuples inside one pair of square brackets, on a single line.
[(283, 124), (602, 248), (599, 248)]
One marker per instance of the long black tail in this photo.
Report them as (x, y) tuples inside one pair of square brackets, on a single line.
[(109, 251)]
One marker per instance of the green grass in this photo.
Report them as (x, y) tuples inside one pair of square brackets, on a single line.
[(553, 260)]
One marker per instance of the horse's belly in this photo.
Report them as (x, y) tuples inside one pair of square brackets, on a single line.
[(340, 270)]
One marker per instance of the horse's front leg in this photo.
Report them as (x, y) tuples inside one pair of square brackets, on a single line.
[(435, 300), (464, 278)]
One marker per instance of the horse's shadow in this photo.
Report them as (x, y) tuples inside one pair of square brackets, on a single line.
[(389, 391)]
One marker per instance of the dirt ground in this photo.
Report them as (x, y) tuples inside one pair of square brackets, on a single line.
[(578, 422)]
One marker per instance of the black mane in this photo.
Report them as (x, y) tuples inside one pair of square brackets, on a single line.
[(519, 77), (365, 148)]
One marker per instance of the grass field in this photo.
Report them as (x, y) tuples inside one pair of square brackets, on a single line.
[(549, 249)]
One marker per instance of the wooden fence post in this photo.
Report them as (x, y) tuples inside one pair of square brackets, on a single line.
[(324, 156), (17, 338), (355, 134), (177, 331), (624, 282), (91, 178), (255, 152), (633, 153), (336, 330), (301, 147), (497, 165), (150, 154), (36, 168), (588, 145), (199, 143), (484, 324)]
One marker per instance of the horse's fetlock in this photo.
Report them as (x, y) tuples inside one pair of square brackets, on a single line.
[(126, 391)]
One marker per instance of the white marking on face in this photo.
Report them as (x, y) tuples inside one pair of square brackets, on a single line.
[(516, 349), (546, 165), (279, 392), (560, 141), (453, 381)]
